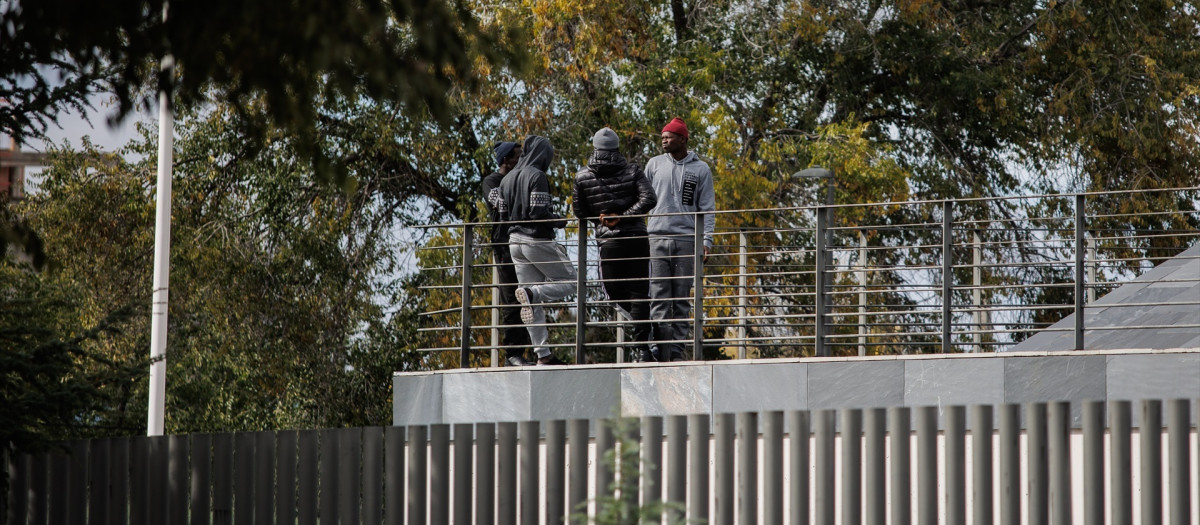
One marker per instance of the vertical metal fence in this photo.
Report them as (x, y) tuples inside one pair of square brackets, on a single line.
[(1066, 463), (892, 278)]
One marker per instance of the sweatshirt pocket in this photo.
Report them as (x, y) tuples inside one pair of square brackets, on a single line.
[(688, 194)]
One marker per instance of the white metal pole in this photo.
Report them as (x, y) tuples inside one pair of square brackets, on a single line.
[(162, 260)]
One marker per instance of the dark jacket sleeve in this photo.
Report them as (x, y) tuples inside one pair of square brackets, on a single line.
[(578, 201), (647, 200), (539, 202)]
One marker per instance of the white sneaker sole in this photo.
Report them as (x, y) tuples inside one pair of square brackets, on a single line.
[(526, 310)]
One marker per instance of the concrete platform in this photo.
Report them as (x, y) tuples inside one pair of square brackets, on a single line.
[(599, 391)]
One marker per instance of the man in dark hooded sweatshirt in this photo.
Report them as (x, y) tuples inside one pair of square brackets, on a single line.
[(606, 191), (516, 337), (545, 273)]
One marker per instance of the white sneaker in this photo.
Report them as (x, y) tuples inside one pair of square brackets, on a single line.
[(526, 310)]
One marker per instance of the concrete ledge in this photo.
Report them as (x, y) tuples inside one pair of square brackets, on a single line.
[(713, 387)]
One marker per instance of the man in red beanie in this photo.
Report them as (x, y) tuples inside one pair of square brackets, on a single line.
[(684, 185)]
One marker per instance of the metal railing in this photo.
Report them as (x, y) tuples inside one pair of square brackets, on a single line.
[(998, 464), (970, 275)]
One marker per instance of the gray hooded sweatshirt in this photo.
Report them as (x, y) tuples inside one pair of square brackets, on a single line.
[(682, 186), (524, 195)]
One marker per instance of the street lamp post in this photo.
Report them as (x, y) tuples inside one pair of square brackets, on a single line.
[(823, 261)]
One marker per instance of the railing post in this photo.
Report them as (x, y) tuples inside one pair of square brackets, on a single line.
[(1080, 250), (581, 294), (1091, 266), (743, 290), (947, 275), (977, 289), (495, 357), (862, 294), (819, 299), (698, 290), (468, 255)]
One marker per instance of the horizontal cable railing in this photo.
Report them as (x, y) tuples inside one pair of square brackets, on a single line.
[(971, 275)]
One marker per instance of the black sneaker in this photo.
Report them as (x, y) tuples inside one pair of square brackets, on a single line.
[(641, 355), (550, 360), (518, 360), (523, 297)]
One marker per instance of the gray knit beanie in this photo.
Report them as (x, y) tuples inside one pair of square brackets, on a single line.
[(606, 139)]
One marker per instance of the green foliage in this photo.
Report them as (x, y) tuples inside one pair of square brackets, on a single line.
[(54, 384), (277, 279)]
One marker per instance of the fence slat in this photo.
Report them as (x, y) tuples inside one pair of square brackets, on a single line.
[(900, 428), (1178, 475), (506, 474), (772, 485), (1037, 464), (77, 472), (1093, 461), (630, 475), (285, 473), (439, 474), (243, 478), (1010, 464), (723, 476), (139, 483), (1059, 447), (308, 466), (1120, 431), (327, 501), (824, 502), (698, 438), (118, 468), (264, 477), (156, 508), (851, 466), (956, 464), (98, 480), (1150, 438), (56, 496), (652, 460), (577, 440), (676, 475), (19, 488), (201, 479), (418, 455), (927, 496), (38, 478), (464, 457), (556, 462), (393, 471), (178, 451), (372, 465), (981, 464), (747, 467), (528, 491), (485, 479), (349, 454), (874, 475)]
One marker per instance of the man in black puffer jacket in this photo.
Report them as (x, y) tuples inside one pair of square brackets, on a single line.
[(607, 191)]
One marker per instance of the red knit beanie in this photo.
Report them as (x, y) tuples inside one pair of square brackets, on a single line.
[(677, 127)]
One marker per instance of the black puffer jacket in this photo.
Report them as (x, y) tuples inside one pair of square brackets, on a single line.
[(610, 185)]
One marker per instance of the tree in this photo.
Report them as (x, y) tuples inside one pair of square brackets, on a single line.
[(283, 56)]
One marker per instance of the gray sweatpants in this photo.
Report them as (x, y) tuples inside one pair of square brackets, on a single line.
[(544, 269), (672, 267)]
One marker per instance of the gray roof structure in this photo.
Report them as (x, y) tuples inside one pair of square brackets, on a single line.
[(1160, 310)]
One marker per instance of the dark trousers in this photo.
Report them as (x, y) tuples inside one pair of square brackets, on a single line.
[(516, 337), (625, 274)]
